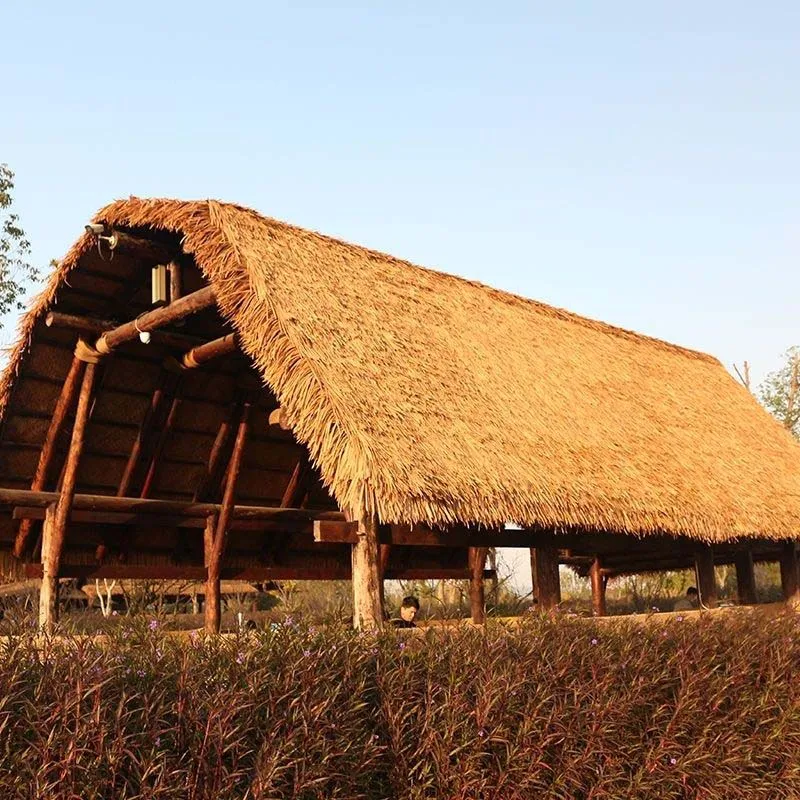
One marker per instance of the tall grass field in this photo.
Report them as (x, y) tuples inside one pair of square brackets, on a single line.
[(706, 708)]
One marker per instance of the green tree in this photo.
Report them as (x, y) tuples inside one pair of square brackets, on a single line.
[(16, 270), (780, 392)]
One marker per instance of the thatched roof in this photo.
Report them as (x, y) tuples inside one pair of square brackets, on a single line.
[(425, 397)]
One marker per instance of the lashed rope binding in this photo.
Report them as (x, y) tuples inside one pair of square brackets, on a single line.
[(86, 352)]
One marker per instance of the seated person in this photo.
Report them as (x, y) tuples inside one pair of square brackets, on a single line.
[(408, 610), (689, 602)]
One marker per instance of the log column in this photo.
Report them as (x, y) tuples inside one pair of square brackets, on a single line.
[(477, 597), (367, 611), (598, 588), (745, 578), (706, 580), (66, 401), (546, 582), (55, 524), (790, 573), (216, 539)]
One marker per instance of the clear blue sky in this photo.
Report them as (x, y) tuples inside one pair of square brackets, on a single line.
[(634, 162)]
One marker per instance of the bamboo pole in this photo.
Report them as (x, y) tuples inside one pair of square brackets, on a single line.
[(55, 526), (220, 536), (367, 611), (63, 406)]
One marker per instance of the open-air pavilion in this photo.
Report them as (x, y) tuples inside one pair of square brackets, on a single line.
[(204, 393)]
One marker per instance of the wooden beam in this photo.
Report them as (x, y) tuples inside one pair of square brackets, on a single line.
[(216, 547), (157, 318), (143, 435), (477, 598), (209, 478), (196, 572), (145, 249), (90, 502), (296, 491), (598, 588), (546, 581), (706, 579), (745, 577), (367, 611), (64, 404), (790, 573), (55, 527), (163, 438), (278, 418), (204, 353), (97, 327)]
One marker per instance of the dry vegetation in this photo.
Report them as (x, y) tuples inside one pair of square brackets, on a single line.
[(554, 708)]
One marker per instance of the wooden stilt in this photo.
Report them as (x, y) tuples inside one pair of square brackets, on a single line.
[(212, 604), (384, 552), (477, 598), (790, 573), (220, 536), (546, 582), (56, 527), (598, 588), (66, 401), (745, 577), (706, 580), (367, 611)]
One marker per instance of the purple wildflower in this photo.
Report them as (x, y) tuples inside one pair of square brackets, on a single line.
[(153, 624), (594, 641)]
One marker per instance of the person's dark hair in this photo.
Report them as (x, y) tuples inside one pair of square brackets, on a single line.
[(410, 601), (692, 590)]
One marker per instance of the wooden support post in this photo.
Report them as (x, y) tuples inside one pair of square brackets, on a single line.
[(745, 577), (216, 551), (367, 611), (706, 580), (189, 304), (163, 437), (142, 437), (208, 482), (598, 588), (384, 552), (546, 582), (477, 598), (175, 281), (64, 404), (790, 573), (55, 527)]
